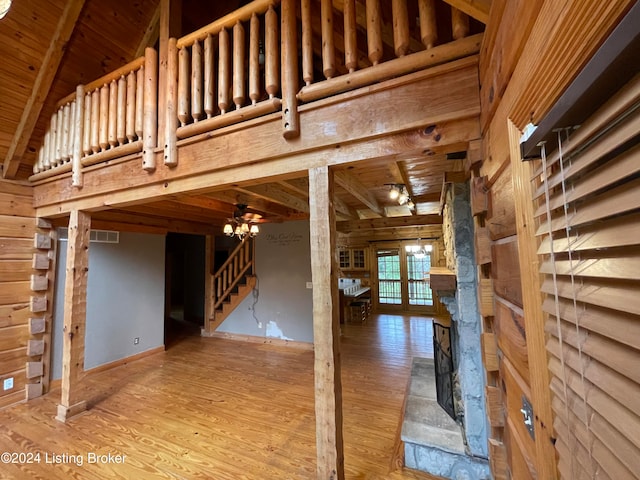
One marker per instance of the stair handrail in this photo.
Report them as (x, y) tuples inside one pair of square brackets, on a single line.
[(239, 263)]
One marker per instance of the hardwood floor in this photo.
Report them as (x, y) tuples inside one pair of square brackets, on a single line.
[(211, 408)]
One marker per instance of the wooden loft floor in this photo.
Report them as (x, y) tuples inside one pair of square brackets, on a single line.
[(216, 408)]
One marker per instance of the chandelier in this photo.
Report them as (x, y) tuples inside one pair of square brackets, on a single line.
[(242, 224)]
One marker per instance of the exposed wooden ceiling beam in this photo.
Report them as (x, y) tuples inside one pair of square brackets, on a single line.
[(151, 33), (274, 193), (41, 87), (343, 209), (268, 209), (389, 222), (206, 203), (478, 9), (168, 224), (302, 187), (359, 191)]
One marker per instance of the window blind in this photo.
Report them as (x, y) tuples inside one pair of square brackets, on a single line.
[(588, 215)]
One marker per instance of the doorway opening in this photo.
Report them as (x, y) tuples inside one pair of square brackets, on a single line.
[(184, 286), (402, 278)]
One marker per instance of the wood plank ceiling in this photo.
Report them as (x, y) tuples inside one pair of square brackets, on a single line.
[(104, 36)]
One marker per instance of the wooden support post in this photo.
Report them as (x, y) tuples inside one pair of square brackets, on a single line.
[(75, 312), (522, 173), (290, 117), (326, 327)]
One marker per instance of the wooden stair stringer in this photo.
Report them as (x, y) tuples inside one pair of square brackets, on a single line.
[(234, 300)]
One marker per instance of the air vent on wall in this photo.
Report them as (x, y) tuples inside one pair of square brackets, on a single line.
[(95, 236)]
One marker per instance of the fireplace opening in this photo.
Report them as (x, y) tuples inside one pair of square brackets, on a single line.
[(443, 363)]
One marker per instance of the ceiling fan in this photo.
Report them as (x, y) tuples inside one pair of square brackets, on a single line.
[(243, 223)]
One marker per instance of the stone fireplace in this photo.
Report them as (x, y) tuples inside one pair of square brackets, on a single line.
[(438, 450)]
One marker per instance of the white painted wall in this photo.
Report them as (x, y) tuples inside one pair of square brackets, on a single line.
[(125, 299), (283, 304)]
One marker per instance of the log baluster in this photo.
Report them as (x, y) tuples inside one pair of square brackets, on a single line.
[(272, 56), (59, 136), (374, 31), (95, 119), (223, 70), (241, 256), (150, 106), (86, 129), (328, 48), (307, 42), (104, 117), (139, 122), (78, 124), (46, 158), (254, 59), (51, 154), (350, 36), (428, 26), (224, 279), (121, 117), (183, 86), (459, 24), (400, 27), (290, 116), (66, 133), (238, 65), (209, 77), (196, 81), (73, 115), (113, 113), (171, 119), (51, 151), (235, 267), (130, 124), (37, 167)]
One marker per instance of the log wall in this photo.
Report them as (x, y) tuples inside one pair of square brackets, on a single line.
[(24, 291)]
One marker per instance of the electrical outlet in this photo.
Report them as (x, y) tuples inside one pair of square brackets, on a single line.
[(309, 285), (7, 384), (136, 340)]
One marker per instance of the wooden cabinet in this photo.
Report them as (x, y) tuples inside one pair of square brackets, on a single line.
[(353, 259)]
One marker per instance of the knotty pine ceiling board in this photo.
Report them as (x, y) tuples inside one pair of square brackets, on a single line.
[(25, 34)]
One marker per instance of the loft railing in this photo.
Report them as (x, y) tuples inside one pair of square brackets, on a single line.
[(243, 66), (111, 117)]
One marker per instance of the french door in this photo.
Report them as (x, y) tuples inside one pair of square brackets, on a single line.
[(402, 279)]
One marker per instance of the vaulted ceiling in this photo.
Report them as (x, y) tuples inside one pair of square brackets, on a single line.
[(50, 46)]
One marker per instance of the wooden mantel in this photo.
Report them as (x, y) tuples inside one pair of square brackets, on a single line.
[(442, 279)]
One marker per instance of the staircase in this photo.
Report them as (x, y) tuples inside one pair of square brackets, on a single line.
[(232, 283)]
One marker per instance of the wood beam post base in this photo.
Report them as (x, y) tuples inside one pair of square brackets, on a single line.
[(65, 413)]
